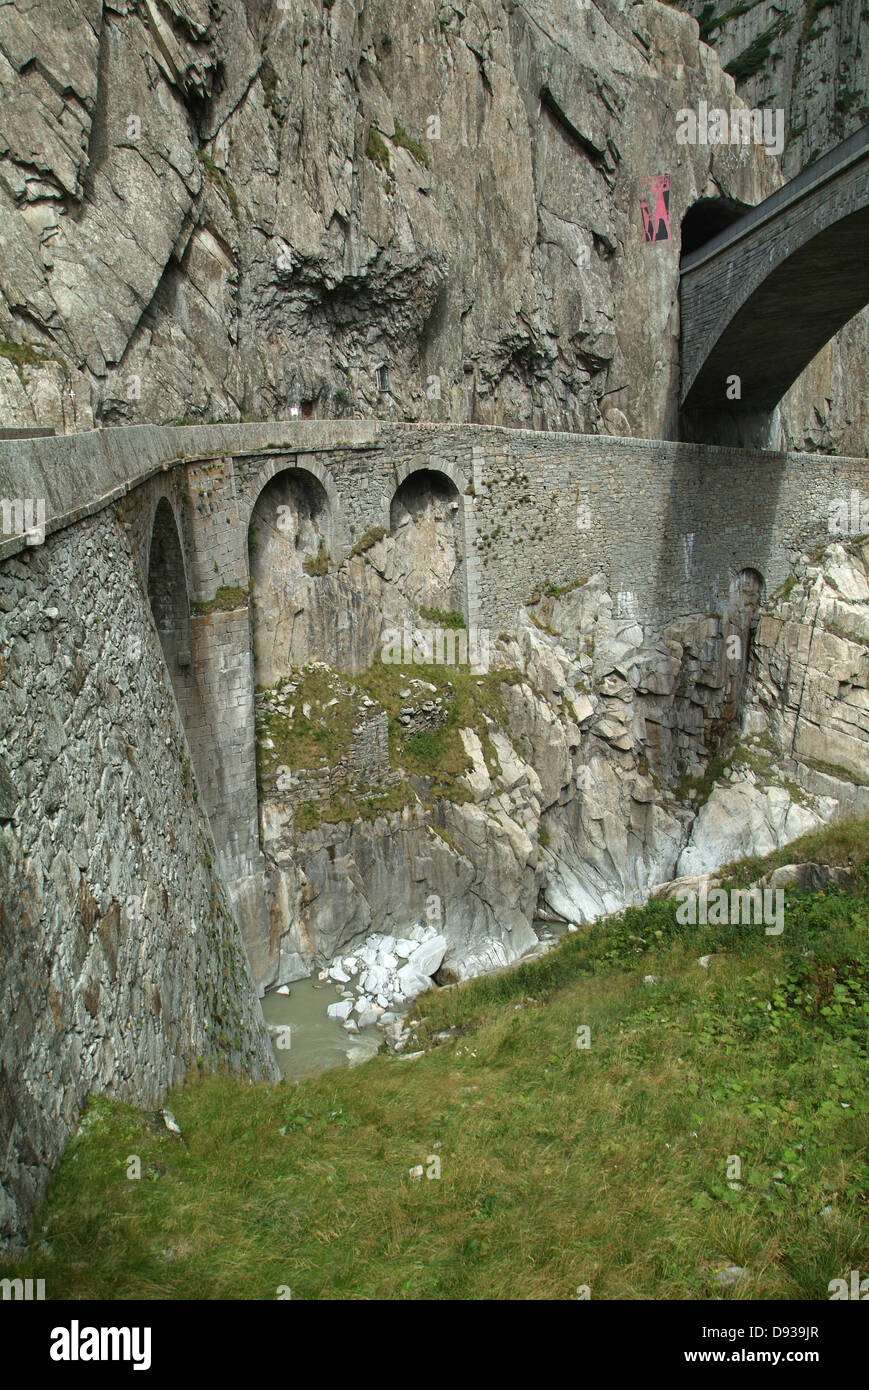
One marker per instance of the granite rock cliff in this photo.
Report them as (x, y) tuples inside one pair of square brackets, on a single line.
[(227, 211)]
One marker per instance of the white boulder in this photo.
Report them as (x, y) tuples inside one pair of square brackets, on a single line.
[(428, 956), (341, 1010), (411, 982)]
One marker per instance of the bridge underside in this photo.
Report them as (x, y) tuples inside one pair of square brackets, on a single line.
[(777, 331)]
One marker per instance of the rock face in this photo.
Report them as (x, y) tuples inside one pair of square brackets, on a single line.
[(417, 565), (122, 964), (806, 58), (588, 778), (805, 718), (811, 689), (421, 212), (394, 210)]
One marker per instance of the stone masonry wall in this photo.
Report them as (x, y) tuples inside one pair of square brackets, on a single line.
[(668, 526), (122, 964)]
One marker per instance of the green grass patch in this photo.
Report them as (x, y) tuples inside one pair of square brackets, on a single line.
[(377, 151), (444, 618), (303, 741), (355, 806), (605, 1166), (435, 756), (412, 146), (227, 598), (318, 564), (759, 52), (370, 538), (470, 701), (22, 355)]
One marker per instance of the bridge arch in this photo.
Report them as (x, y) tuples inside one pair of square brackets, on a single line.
[(762, 297), (426, 519), (432, 464), (167, 587), (291, 545), (273, 468), (170, 607)]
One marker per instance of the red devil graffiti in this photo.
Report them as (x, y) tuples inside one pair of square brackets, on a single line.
[(656, 226)]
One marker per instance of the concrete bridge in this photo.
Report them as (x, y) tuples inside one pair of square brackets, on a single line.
[(669, 525), (762, 297)]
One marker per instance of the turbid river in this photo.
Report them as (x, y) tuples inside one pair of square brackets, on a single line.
[(316, 1042), (306, 1041)]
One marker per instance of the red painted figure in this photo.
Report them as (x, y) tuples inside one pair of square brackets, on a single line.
[(659, 184)]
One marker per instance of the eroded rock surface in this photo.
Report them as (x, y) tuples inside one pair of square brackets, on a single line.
[(605, 759), (213, 217)]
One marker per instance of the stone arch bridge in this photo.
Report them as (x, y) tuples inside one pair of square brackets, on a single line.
[(668, 525), (761, 298)]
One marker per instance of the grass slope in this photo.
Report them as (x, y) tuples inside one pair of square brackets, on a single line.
[(605, 1167)]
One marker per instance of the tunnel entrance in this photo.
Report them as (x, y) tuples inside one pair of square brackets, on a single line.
[(706, 218)]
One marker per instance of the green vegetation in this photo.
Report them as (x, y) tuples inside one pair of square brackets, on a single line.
[(319, 563), (220, 179), (438, 756), (23, 355), (226, 598), (559, 590), (559, 1166), (187, 778), (843, 774), (811, 29), (757, 754), (311, 815), (305, 741), (708, 23), (412, 146), (269, 81), (742, 7), (377, 151), (443, 618), (369, 539), (759, 53), (541, 626)]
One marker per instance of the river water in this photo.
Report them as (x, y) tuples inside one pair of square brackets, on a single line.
[(317, 1043)]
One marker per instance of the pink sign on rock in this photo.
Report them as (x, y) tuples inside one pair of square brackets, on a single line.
[(656, 225)]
